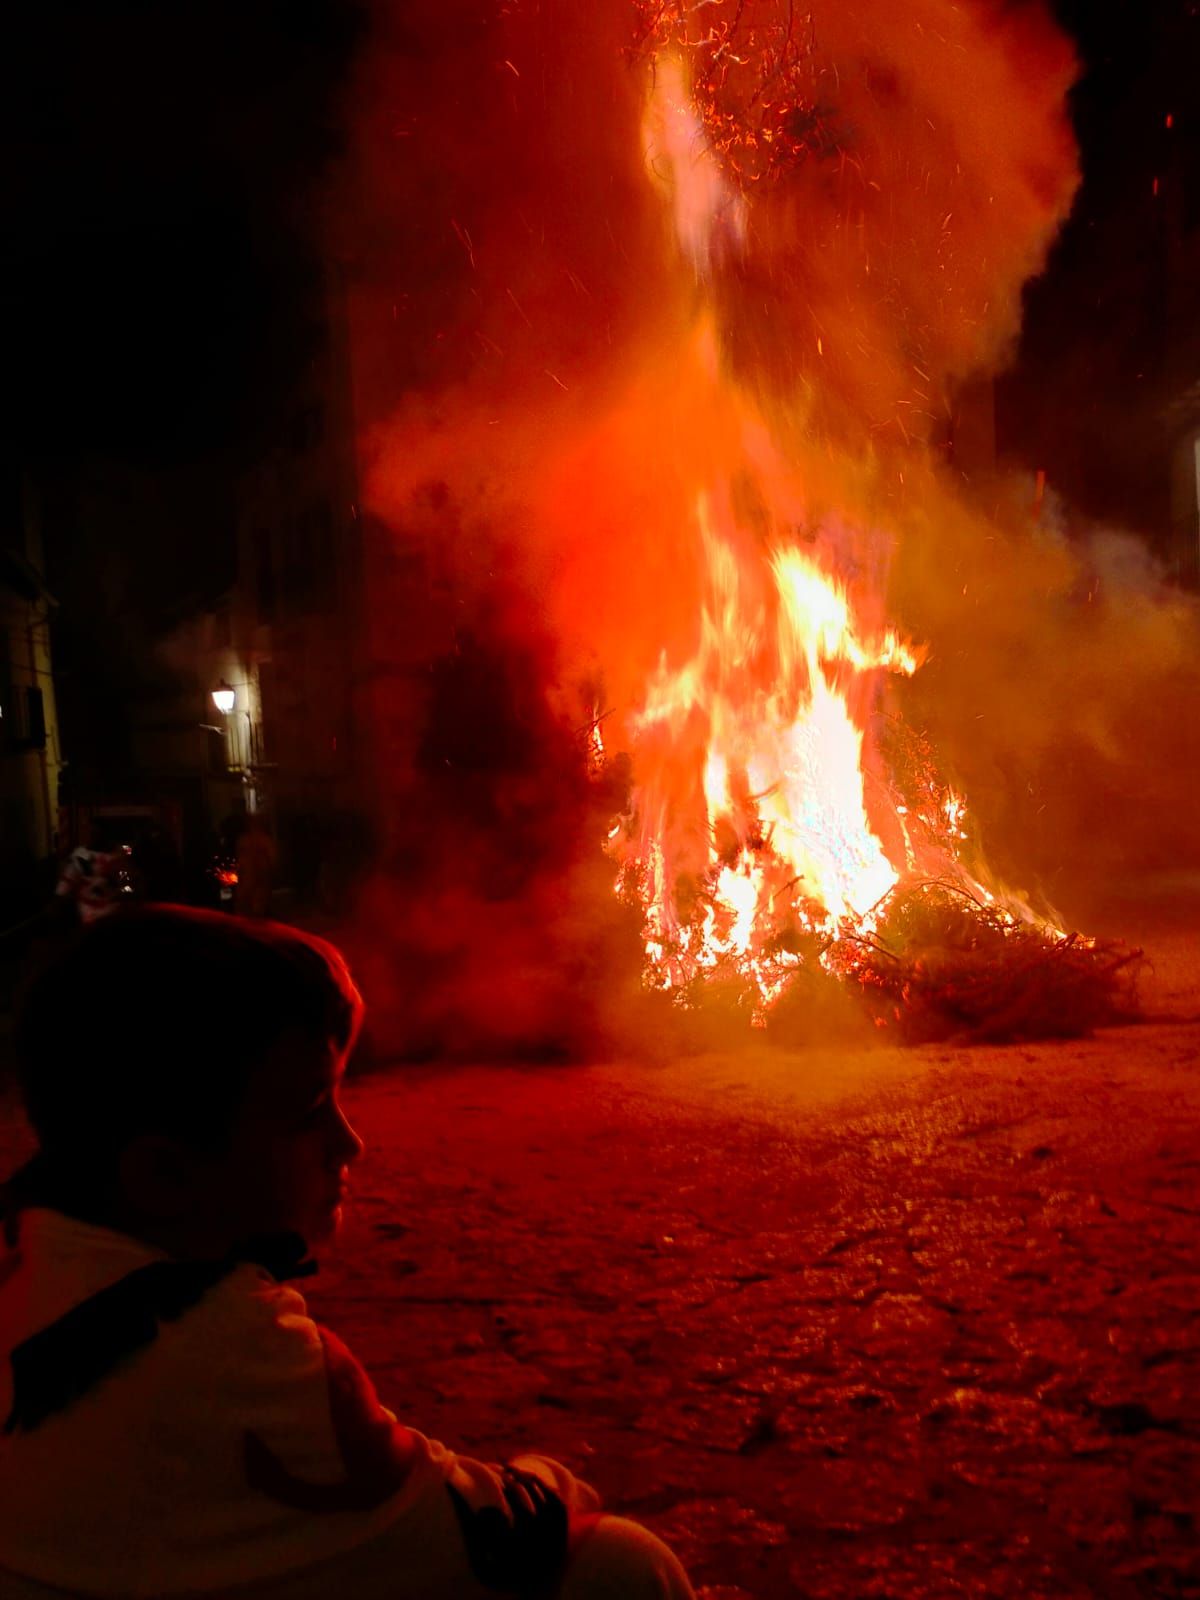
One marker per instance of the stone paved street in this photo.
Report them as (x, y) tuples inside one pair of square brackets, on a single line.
[(922, 1323), (887, 1324)]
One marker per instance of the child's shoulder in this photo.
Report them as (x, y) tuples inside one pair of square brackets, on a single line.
[(54, 1263), (230, 1323), (250, 1327), (274, 1314)]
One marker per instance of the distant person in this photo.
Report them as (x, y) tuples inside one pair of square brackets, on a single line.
[(91, 878), (255, 868), (156, 860), (176, 1423), (230, 830)]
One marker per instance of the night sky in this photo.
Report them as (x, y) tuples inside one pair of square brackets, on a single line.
[(167, 218), (166, 168), (1095, 367)]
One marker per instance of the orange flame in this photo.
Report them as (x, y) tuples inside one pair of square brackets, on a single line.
[(722, 322), (750, 828)]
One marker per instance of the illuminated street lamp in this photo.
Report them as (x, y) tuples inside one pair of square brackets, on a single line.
[(223, 697)]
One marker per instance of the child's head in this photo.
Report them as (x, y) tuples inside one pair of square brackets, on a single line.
[(180, 1069)]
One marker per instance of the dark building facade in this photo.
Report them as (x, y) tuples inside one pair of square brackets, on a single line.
[(31, 756)]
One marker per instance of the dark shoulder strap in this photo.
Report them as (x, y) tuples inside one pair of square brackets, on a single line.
[(22, 1189), (62, 1362)]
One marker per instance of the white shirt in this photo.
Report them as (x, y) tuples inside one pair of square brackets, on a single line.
[(242, 1445)]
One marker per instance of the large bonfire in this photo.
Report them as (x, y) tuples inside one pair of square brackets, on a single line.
[(775, 837), (727, 269)]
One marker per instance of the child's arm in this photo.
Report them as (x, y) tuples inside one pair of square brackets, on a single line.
[(318, 1444)]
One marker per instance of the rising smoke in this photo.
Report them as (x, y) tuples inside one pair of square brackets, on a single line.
[(535, 426)]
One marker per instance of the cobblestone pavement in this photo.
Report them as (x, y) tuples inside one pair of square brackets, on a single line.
[(887, 1324), (911, 1324)]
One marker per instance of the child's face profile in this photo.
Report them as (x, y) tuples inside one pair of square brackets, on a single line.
[(285, 1164)]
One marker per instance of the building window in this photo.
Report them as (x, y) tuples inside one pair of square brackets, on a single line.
[(307, 428), (22, 716), (35, 719), (309, 579), (267, 708), (264, 575), (8, 731)]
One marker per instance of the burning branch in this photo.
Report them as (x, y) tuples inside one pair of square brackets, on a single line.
[(753, 80), (943, 964)]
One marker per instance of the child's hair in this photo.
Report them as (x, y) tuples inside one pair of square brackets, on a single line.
[(154, 1020)]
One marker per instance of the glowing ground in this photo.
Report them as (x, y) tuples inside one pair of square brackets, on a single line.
[(913, 1324)]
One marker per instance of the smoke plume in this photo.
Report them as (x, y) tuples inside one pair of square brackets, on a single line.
[(543, 380)]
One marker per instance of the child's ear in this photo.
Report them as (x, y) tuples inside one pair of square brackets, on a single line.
[(158, 1176)]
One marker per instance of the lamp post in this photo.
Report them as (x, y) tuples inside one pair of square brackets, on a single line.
[(224, 697)]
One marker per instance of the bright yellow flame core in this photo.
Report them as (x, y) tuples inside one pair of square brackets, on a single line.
[(764, 702)]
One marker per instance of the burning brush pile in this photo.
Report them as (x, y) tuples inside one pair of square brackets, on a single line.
[(767, 893)]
